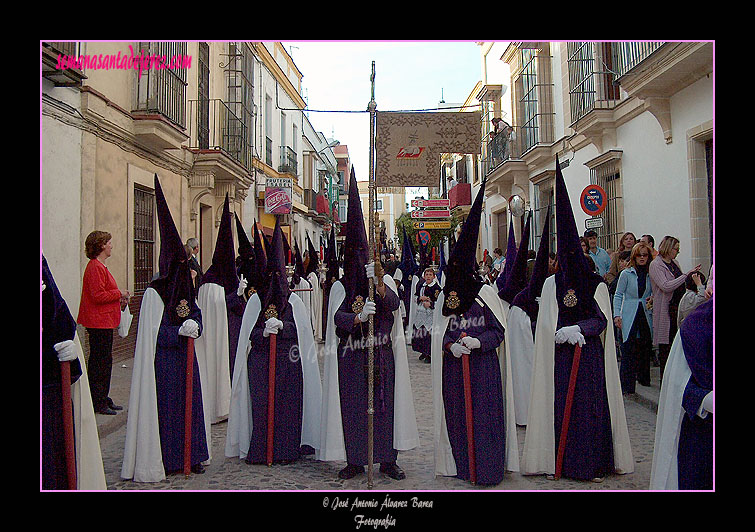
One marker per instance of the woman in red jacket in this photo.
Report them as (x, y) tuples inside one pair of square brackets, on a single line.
[(100, 313)]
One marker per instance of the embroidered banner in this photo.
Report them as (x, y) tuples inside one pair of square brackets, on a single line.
[(408, 145)]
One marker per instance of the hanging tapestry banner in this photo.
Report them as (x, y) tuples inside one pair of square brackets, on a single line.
[(408, 145)]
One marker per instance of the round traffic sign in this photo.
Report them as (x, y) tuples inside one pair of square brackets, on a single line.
[(593, 200), (423, 237)]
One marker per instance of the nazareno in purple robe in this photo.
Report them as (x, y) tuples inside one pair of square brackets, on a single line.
[(234, 305), (289, 386), (352, 379), (695, 456), (487, 396), (170, 380), (589, 448)]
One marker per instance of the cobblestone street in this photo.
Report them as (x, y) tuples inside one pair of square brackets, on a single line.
[(308, 474)]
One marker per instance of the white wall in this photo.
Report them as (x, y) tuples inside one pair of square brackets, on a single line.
[(60, 198), (656, 174)]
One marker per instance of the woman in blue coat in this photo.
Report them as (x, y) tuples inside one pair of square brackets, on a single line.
[(632, 311)]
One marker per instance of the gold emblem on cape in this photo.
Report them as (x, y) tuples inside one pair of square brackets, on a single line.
[(182, 309), (271, 312), (250, 292), (358, 305), (437, 292), (453, 300), (570, 299)]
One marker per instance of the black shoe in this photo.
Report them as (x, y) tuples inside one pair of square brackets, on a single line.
[(392, 470), (350, 471), (106, 410), (646, 384), (428, 359), (422, 357), (112, 405), (197, 469)]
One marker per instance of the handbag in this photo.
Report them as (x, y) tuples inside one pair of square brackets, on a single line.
[(125, 324)]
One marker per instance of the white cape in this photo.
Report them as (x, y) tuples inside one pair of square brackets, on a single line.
[(315, 304), (212, 355), (304, 293), (405, 433), (664, 474), (412, 310), (142, 457), (520, 347), (240, 422), (397, 281), (444, 459), (90, 472), (539, 442)]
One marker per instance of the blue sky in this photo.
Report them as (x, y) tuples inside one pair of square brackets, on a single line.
[(409, 75)]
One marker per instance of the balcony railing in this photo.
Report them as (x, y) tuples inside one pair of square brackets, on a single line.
[(268, 151), (497, 150), (630, 54), (213, 126), (162, 91), (288, 162)]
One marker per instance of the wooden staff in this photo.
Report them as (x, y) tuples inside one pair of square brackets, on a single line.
[(567, 410), (188, 403), (271, 313), (65, 388), (468, 413), (370, 322)]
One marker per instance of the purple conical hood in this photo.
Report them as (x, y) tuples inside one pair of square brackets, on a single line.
[(461, 275), (314, 258), (575, 281), (356, 247), (525, 299), (510, 257), (277, 291), (223, 269), (174, 283), (517, 275)]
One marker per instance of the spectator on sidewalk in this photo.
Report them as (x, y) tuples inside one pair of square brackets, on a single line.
[(626, 243), (599, 256), (667, 280), (694, 296), (649, 240), (100, 313), (634, 317), (196, 269)]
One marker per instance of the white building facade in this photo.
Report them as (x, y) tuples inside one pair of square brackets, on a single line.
[(635, 118)]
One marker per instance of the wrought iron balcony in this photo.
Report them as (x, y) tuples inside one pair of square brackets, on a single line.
[(214, 126), (496, 150), (630, 54), (288, 162), (268, 151), (162, 91)]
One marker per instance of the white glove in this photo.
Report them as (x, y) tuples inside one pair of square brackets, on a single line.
[(272, 326), (470, 342), (43, 286), (459, 349), (368, 309), (370, 270), (242, 286), (708, 402), (570, 334), (189, 328), (66, 351)]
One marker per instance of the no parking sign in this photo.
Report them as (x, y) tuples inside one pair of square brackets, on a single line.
[(423, 237), (593, 200)]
